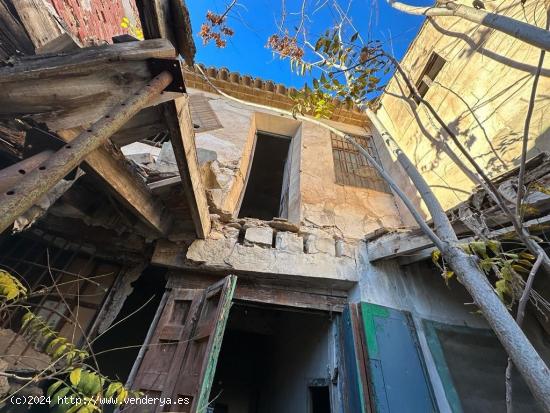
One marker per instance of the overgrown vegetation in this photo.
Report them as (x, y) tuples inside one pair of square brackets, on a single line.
[(73, 384)]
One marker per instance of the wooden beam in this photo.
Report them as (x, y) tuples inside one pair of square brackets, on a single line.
[(38, 182), (412, 247), (14, 41), (109, 164), (397, 244), (77, 88), (258, 291), (40, 22), (80, 60), (411, 244), (182, 136), (168, 19), (146, 124), (164, 183)]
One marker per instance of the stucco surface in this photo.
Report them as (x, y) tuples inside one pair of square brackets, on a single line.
[(482, 93), (317, 201)]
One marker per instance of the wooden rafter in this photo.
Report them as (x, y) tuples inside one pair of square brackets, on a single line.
[(182, 136), (76, 88), (38, 182)]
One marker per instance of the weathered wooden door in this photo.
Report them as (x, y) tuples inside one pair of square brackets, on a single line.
[(181, 359)]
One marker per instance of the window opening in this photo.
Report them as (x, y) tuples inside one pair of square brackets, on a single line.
[(352, 168), (264, 189), (430, 72)]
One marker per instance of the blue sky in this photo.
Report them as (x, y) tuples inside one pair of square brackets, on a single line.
[(254, 20)]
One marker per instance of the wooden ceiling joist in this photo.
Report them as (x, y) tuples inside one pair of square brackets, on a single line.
[(182, 136), (412, 245), (34, 185), (76, 88), (109, 165), (168, 19)]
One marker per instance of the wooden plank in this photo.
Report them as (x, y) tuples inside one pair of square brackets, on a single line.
[(39, 21), (259, 291), (534, 225), (155, 16), (110, 165), (411, 247), (68, 100), (182, 136), (14, 41), (79, 61), (146, 124), (168, 19), (361, 358), (183, 31), (397, 244)]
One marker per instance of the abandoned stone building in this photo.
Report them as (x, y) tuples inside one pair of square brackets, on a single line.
[(249, 261)]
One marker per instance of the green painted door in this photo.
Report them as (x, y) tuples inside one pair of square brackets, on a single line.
[(398, 379)]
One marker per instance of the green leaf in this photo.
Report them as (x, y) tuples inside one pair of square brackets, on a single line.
[(447, 275), (486, 264), (75, 376), (51, 390), (112, 389), (122, 394), (85, 409), (26, 319), (74, 409), (319, 43), (90, 383), (53, 344), (479, 248), (59, 395), (436, 255), (494, 246), (59, 351)]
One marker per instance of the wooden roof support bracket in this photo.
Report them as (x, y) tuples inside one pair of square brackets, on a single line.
[(38, 182), (182, 136)]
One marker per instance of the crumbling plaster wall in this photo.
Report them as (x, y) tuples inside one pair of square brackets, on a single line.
[(342, 211), (487, 72), (275, 248)]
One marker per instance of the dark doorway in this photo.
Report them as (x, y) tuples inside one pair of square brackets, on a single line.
[(320, 399), (116, 350), (268, 358), (262, 197)]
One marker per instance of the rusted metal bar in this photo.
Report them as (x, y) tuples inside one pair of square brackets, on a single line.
[(12, 174), (37, 183)]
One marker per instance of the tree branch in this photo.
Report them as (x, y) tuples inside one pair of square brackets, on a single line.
[(525, 142), (519, 319), (528, 33)]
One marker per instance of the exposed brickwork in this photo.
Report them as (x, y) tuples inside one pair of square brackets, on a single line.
[(96, 21)]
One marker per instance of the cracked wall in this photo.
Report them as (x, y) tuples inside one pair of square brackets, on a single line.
[(341, 211)]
